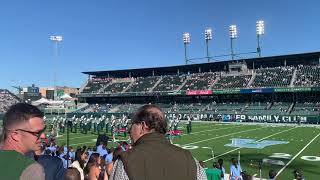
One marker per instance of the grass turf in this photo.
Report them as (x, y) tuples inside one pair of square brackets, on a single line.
[(302, 141)]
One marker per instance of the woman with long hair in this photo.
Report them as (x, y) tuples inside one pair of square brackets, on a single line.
[(93, 169), (80, 160)]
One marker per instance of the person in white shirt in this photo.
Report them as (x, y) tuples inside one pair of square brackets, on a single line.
[(80, 160)]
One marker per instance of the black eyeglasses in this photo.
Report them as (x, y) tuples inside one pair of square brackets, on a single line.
[(35, 133)]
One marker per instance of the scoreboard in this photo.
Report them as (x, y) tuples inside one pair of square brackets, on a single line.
[(33, 91)]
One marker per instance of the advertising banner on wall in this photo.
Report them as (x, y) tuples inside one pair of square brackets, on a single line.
[(222, 117), (257, 90), (199, 92)]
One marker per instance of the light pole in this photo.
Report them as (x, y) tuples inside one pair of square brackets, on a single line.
[(55, 40), (208, 37), (233, 35), (186, 41), (260, 32)]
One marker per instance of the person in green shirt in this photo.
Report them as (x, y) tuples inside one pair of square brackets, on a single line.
[(215, 173), (23, 131)]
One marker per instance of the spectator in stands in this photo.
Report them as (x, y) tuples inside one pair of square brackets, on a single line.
[(23, 130), (235, 170), (223, 171), (115, 153), (272, 174), (92, 169), (53, 166), (152, 154), (80, 160), (246, 176), (72, 174), (60, 153), (101, 149), (215, 173), (202, 164), (298, 174)]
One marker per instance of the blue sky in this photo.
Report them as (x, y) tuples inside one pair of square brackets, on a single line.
[(113, 34)]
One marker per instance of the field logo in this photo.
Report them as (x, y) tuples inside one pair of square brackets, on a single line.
[(252, 143)]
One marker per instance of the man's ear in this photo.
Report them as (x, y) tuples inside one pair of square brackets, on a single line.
[(144, 127), (15, 136)]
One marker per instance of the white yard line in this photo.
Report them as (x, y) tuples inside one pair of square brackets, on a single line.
[(255, 141), (282, 169), (222, 136)]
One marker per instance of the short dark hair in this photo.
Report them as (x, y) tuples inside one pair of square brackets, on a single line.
[(152, 116), (18, 114), (72, 174), (298, 173), (216, 165), (272, 173)]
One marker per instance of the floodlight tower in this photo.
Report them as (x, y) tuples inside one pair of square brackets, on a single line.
[(55, 40), (208, 37), (260, 32), (186, 41), (233, 35)]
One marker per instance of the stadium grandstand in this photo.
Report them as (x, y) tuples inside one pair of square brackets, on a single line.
[(7, 99), (285, 86)]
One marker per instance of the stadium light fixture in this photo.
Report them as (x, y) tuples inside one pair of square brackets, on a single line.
[(208, 34), (233, 31), (55, 40), (186, 41), (233, 35), (186, 38), (208, 37), (260, 32), (260, 27)]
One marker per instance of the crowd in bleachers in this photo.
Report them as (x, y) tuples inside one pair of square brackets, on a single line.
[(232, 82), (116, 87), (98, 108), (200, 81), (143, 84), (225, 108), (307, 108), (170, 83), (128, 108), (273, 77), (254, 108), (279, 108), (6, 100), (95, 85), (308, 76)]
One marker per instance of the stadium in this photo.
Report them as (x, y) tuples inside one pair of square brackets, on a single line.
[(263, 110), (122, 96)]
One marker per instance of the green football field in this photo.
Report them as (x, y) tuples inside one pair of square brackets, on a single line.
[(291, 146), (286, 147)]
